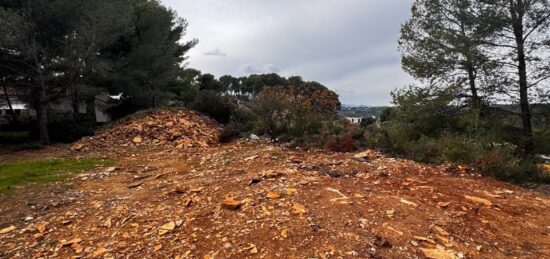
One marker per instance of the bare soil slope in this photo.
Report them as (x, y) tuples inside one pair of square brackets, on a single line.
[(259, 200)]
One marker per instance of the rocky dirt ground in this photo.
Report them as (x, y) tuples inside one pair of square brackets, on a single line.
[(261, 200)]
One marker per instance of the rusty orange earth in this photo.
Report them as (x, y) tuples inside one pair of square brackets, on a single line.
[(326, 205)]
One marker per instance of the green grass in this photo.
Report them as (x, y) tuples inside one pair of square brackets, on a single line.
[(43, 171)]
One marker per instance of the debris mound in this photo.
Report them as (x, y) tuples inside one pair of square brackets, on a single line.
[(180, 128)]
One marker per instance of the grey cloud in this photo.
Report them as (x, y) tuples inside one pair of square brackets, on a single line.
[(348, 45), (216, 52), (251, 69)]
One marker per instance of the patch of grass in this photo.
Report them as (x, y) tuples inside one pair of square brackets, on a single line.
[(43, 171)]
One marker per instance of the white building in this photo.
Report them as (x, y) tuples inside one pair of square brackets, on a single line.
[(354, 120), (62, 105)]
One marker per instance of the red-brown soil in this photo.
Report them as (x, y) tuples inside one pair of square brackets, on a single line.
[(169, 203)]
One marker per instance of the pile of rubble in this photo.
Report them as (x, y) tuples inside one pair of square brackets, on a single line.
[(179, 128)]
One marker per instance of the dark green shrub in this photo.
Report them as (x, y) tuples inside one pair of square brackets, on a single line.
[(542, 141), (14, 137), (65, 128), (215, 106)]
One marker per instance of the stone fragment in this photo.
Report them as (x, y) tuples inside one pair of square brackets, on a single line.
[(479, 201), (273, 195), (7, 230), (230, 203), (168, 227), (137, 140), (298, 208), (438, 253)]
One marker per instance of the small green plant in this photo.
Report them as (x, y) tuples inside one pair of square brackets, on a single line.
[(43, 171)]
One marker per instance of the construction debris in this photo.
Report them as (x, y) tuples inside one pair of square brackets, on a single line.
[(178, 128)]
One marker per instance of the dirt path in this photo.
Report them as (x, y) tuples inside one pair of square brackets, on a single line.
[(286, 203)]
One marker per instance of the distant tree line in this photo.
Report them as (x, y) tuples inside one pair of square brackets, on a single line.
[(265, 104), (245, 87)]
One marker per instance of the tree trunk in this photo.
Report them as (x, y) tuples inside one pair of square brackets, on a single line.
[(90, 108), (43, 116), (12, 112), (524, 102), (516, 11), (75, 103), (476, 101)]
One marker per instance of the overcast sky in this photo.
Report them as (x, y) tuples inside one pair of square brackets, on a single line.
[(348, 45)]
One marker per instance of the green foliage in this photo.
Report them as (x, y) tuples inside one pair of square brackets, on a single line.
[(216, 106), (427, 127), (43, 171), (13, 137), (451, 46), (70, 128), (78, 49), (365, 122), (147, 60), (268, 104), (283, 113)]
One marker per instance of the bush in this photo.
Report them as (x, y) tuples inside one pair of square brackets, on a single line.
[(542, 141), (345, 143), (217, 107), (65, 128), (498, 160), (342, 136), (125, 108), (289, 116), (13, 137)]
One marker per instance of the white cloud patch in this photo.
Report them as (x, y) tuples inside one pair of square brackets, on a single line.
[(263, 69)]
